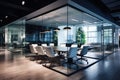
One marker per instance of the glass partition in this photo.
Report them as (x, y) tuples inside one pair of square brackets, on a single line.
[(50, 30), (69, 30), (51, 25), (110, 43), (2, 38), (71, 39), (116, 38), (15, 34), (85, 31)]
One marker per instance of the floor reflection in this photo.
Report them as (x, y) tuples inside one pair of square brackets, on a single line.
[(8, 56), (14, 66), (14, 58), (69, 69), (21, 68)]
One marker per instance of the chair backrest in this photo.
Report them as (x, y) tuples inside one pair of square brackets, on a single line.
[(33, 48), (74, 45), (45, 45), (40, 50), (62, 45), (49, 51), (52, 44), (72, 53), (34, 45), (84, 50)]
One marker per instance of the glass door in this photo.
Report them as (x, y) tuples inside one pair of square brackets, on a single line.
[(108, 40)]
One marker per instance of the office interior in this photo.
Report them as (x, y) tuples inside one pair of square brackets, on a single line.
[(64, 26)]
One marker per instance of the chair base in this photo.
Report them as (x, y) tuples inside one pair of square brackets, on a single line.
[(83, 59), (31, 55), (70, 62)]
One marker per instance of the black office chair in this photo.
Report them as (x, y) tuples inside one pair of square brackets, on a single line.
[(82, 53)]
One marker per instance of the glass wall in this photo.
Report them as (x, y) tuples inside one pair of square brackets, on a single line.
[(2, 38), (50, 26), (68, 26), (85, 31), (79, 38), (110, 39), (15, 34)]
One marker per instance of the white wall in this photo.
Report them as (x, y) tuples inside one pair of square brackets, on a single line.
[(63, 34)]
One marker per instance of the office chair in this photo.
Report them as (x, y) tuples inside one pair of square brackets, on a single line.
[(82, 53), (41, 54), (34, 52), (52, 58), (72, 57)]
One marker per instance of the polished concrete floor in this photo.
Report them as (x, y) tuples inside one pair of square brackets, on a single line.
[(14, 66)]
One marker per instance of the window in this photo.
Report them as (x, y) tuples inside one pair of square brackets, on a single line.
[(108, 35), (91, 33), (47, 36)]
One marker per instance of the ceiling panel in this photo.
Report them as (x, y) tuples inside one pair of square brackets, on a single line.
[(15, 10), (114, 7), (59, 18)]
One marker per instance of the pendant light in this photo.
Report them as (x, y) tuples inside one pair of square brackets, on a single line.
[(67, 28), (47, 30), (57, 29)]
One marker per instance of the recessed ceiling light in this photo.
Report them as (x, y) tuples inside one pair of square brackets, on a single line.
[(75, 20), (86, 22), (23, 2), (96, 22), (1, 20), (6, 16)]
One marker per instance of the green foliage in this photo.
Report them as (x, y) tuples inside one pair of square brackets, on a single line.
[(55, 38), (80, 36)]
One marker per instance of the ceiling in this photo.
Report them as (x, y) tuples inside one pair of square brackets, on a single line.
[(10, 10), (59, 18), (114, 7), (111, 7)]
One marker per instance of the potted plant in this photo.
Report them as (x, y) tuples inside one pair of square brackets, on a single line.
[(55, 38), (80, 37)]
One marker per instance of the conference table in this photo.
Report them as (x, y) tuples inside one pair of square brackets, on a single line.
[(61, 50)]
